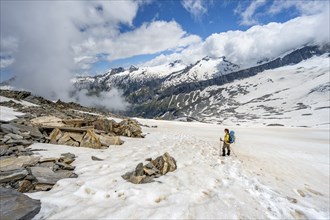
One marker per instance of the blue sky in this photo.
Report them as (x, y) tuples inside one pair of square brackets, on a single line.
[(220, 16), (90, 37)]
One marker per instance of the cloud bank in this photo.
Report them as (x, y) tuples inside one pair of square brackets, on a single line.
[(259, 42), (45, 42)]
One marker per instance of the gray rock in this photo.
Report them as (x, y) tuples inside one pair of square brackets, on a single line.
[(151, 172), (148, 179), (25, 186), (12, 175), (12, 163), (14, 136), (65, 166), (67, 160), (34, 132), (96, 158), (139, 170), (165, 163), (23, 142), (9, 128), (150, 165), (43, 186), (127, 175), (69, 155), (48, 176), (16, 205), (136, 179), (48, 164), (3, 150)]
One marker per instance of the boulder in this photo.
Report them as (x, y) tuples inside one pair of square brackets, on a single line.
[(136, 179), (65, 166), (91, 140), (110, 140), (31, 131), (55, 135), (69, 138), (67, 158), (12, 163), (13, 175), (3, 150), (165, 163), (16, 205), (154, 169), (48, 176), (43, 187), (9, 128), (139, 170), (25, 186), (96, 158), (103, 125)]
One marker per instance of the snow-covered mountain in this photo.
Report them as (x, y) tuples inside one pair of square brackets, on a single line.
[(292, 89)]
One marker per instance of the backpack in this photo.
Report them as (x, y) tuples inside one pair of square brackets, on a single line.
[(231, 137)]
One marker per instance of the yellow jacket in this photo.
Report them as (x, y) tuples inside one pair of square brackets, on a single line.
[(226, 140)]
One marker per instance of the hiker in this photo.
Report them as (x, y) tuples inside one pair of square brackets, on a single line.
[(226, 143)]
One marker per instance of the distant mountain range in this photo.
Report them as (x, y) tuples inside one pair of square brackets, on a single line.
[(291, 90), (208, 89)]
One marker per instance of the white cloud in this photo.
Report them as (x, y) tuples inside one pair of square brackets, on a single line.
[(251, 13), (310, 7), (248, 14), (6, 61), (45, 43), (196, 8), (8, 45), (46, 32), (111, 100), (259, 42), (149, 38)]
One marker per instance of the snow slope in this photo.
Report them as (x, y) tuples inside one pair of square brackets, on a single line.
[(8, 114), (273, 173), (295, 95)]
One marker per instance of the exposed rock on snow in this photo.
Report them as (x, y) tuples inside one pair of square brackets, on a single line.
[(32, 173), (15, 205), (154, 169)]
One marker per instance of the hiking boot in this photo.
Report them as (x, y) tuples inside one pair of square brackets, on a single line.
[(228, 153), (223, 155)]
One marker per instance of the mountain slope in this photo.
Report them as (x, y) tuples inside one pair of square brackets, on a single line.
[(296, 95), (208, 90)]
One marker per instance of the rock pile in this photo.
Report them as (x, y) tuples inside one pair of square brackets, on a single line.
[(32, 173), (97, 133), (154, 169), (16, 137)]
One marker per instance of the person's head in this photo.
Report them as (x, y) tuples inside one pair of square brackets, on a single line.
[(226, 131)]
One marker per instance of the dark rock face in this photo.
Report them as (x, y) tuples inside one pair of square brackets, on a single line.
[(16, 205)]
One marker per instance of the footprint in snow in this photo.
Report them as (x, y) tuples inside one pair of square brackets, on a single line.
[(314, 191)]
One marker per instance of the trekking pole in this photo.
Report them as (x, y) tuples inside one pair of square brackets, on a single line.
[(220, 147)]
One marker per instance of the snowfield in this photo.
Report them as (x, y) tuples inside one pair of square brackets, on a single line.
[(273, 173), (8, 114)]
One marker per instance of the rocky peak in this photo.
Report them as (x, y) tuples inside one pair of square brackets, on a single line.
[(117, 70), (175, 62), (133, 68)]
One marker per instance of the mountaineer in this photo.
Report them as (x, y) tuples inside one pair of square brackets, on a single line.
[(228, 139)]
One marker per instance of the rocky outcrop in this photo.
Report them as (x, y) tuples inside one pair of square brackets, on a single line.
[(16, 205), (154, 169), (33, 173)]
